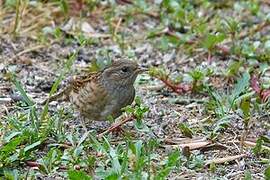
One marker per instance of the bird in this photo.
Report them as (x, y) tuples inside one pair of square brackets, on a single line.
[(101, 95)]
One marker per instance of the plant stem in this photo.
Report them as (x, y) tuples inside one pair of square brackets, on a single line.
[(18, 3)]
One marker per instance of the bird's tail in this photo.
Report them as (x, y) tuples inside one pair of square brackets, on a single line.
[(62, 95)]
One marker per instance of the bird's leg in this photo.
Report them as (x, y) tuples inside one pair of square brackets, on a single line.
[(118, 130), (116, 126), (82, 120)]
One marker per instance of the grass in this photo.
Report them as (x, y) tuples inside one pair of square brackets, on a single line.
[(214, 55)]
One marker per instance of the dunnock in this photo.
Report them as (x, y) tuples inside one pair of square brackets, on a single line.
[(100, 95)]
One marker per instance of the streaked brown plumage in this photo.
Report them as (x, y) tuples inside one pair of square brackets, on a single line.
[(102, 94)]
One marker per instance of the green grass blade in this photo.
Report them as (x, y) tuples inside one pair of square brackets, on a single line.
[(67, 68), (20, 88)]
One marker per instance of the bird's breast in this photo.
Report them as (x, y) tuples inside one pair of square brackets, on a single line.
[(90, 100), (96, 102)]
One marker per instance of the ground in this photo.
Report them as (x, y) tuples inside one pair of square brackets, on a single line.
[(203, 111)]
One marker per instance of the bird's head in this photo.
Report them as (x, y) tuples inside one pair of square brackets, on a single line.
[(122, 72)]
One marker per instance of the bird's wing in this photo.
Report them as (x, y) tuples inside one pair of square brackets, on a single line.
[(80, 81), (74, 84)]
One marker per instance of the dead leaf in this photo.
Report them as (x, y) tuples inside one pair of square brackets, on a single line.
[(87, 28), (225, 159), (191, 145)]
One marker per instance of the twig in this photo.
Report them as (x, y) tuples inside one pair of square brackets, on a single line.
[(27, 51), (186, 101), (153, 88), (175, 141), (181, 88), (5, 100), (115, 126), (250, 144), (117, 26), (150, 14), (33, 164), (90, 35)]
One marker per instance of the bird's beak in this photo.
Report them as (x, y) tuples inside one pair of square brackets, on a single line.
[(141, 70)]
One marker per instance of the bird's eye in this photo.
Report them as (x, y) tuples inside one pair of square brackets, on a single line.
[(124, 69)]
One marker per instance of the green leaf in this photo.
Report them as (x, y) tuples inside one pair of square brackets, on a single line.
[(196, 74), (78, 175), (221, 124), (259, 145), (173, 158), (245, 107), (241, 85), (197, 162), (51, 161), (112, 176), (97, 145), (12, 145), (32, 146), (185, 130), (19, 87), (140, 126), (212, 40), (64, 6), (231, 25), (138, 100), (267, 173), (171, 163), (83, 138), (233, 68), (217, 101), (11, 174), (164, 43), (77, 151), (152, 33), (115, 162), (247, 175), (138, 148), (12, 135)]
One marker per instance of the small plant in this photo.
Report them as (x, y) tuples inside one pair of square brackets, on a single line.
[(259, 149), (163, 75), (211, 41), (50, 163), (198, 76), (138, 112), (177, 14), (232, 27), (233, 69), (186, 131), (173, 161), (223, 104)]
